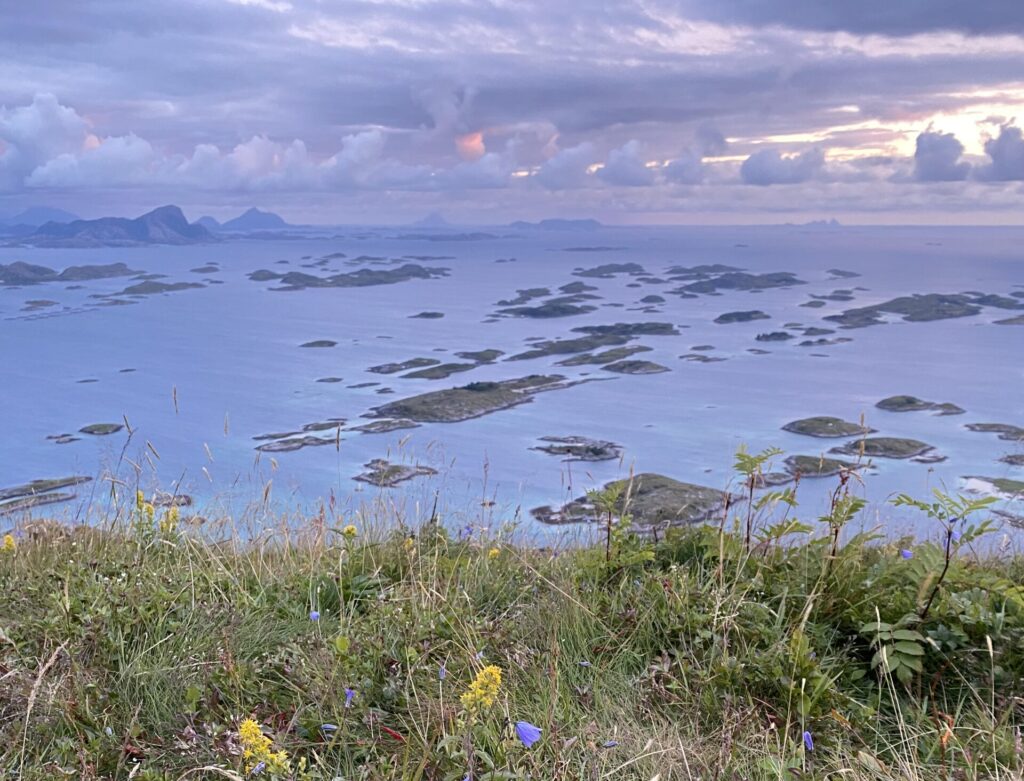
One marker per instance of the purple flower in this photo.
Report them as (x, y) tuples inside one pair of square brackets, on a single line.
[(584, 664), (349, 695), (907, 554), (314, 615), (955, 536), (479, 656), (328, 727), (441, 672), (808, 741), (528, 733), (259, 768), (610, 744)]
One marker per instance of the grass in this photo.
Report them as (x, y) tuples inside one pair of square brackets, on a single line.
[(138, 651)]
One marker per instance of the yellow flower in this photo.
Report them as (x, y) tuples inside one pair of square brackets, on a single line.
[(350, 530), (256, 750), (483, 690), (169, 523), (9, 545), (410, 543), (493, 553), (140, 500)]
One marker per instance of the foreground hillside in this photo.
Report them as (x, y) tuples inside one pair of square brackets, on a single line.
[(144, 652)]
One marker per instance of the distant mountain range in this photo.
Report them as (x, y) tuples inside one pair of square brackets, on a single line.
[(25, 222), (558, 225), (166, 225), (251, 220)]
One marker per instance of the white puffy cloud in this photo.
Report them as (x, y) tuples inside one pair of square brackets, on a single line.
[(626, 168), (32, 135), (568, 168), (121, 160), (769, 166), (937, 158)]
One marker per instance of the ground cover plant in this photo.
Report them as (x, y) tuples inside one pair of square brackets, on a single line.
[(764, 646)]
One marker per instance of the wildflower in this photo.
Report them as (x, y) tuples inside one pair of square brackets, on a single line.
[(169, 523), (9, 545), (610, 744), (955, 536), (328, 727), (528, 733), (140, 500), (349, 696), (314, 615), (479, 656), (410, 543), (483, 690), (907, 554), (493, 553), (808, 741), (584, 663), (350, 530), (441, 672), (257, 751)]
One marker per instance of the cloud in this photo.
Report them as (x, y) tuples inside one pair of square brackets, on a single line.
[(1007, 154), (625, 167), (123, 160), (688, 168), (769, 166), (568, 169), (937, 158), (885, 17), (709, 140), (34, 134)]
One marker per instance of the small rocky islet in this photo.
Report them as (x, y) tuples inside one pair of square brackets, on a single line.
[(296, 280), (923, 308), (19, 498), (884, 447), (914, 404), (382, 473), (1005, 431), (635, 367), (577, 448), (746, 316), (604, 357), (470, 401), (826, 427), (651, 500), (101, 429)]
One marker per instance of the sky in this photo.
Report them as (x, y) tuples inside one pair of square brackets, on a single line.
[(485, 111)]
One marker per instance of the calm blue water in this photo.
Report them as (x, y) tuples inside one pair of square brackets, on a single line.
[(230, 355)]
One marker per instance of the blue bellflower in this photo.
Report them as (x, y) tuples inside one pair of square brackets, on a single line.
[(528, 733)]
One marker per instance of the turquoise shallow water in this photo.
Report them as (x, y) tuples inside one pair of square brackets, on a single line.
[(229, 355)]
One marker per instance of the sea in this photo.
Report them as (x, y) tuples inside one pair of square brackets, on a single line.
[(196, 374)]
